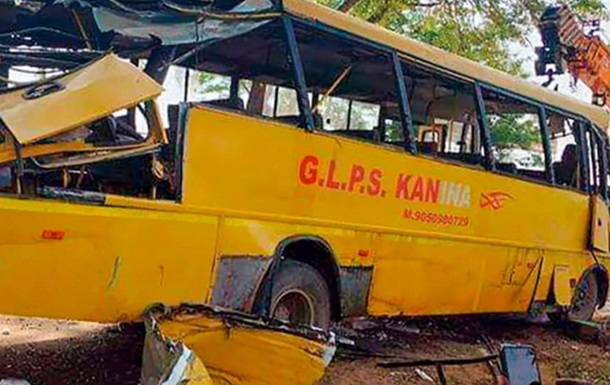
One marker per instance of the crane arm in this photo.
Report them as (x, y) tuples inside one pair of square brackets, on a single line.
[(568, 48)]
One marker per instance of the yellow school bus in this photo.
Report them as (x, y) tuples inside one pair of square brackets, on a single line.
[(349, 171)]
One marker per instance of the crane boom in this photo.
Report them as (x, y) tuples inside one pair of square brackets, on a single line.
[(569, 47)]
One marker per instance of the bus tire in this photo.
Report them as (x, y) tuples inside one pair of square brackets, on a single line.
[(300, 295), (586, 298)]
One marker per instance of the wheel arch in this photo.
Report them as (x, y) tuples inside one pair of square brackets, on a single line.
[(315, 252), (601, 275)]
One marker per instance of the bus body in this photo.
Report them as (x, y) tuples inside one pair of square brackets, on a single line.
[(288, 219)]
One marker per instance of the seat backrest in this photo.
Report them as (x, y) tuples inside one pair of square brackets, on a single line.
[(427, 148), (570, 155), (368, 135), (233, 104), (507, 167), (565, 171)]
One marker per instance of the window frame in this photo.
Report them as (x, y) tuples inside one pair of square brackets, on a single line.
[(437, 71), (598, 139), (397, 57), (544, 136), (579, 138)]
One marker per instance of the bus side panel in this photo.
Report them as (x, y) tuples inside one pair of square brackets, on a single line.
[(62, 260), (450, 277), (453, 238), (248, 245)]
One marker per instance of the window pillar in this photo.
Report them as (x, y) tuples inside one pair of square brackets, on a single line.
[(484, 128), (406, 119), (298, 74), (546, 143)]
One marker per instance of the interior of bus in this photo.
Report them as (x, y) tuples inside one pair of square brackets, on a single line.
[(352, 91), (349, 87)]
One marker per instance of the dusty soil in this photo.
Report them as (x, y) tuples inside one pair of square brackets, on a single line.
[(67, 352), (63, 352), (561, 354)]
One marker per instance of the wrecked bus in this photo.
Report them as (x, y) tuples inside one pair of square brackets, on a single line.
[(349, 171)]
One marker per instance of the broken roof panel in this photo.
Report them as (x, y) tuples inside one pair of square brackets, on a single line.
[(85, 95), (184, 25)]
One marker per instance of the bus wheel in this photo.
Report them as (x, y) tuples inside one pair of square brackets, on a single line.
[(585, 299), (300, 295)]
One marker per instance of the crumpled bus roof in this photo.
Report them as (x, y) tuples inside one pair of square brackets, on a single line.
[(173, 23), (82, 96)]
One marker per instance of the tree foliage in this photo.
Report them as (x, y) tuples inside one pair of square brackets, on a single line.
[(513, 130), (482, 30)]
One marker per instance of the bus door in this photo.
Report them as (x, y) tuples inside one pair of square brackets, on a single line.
[(596, 177)]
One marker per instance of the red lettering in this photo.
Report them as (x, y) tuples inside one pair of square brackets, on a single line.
[(402, 191), (433, 191), (374, 188), (308, 169), (418, 190), (330, 181), (356, 176)]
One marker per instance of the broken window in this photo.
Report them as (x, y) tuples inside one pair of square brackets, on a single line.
[(444, 115), (516, 136), (256, 72), (353, 86)]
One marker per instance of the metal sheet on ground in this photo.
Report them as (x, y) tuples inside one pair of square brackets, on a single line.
[(200, 345)]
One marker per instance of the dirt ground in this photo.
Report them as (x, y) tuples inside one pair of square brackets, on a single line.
[(560, 354), (64, 352)]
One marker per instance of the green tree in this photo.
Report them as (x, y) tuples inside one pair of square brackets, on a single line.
[(481, 30), (510, 130)]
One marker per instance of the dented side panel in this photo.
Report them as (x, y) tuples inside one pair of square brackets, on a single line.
[(355, 285), (237, 280)]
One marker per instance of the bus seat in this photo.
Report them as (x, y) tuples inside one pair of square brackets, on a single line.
[(473, 159), (565, 170), (427, 148), (509, 168), (368, 135), (232, 104), (297, 120), (293, 120)]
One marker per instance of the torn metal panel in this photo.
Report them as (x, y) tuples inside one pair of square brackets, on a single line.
[(355, 285), (62, 104), (187, 26), (71, 195), (165, 362), (237, 281), (236, 349)]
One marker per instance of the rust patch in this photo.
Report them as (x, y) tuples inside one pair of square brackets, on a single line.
[(237, 281), (355, 285)]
